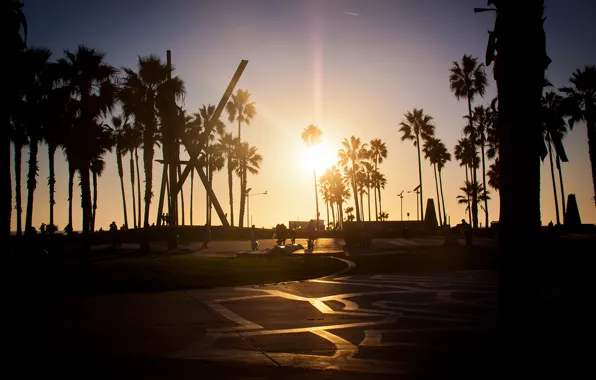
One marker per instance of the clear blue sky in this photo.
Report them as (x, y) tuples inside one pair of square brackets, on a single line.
[(352, 67)]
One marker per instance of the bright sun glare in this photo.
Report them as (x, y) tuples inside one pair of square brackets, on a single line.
[(319, 157)]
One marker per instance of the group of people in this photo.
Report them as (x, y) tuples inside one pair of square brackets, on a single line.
[(281, 234)]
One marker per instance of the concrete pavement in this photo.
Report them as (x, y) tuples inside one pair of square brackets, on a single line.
[(378, 324)]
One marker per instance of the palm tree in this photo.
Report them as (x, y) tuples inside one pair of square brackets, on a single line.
[(228, 145), (91, 82), (554, 129), (482, 120), (368, 168), (432, 153), (338, 192), (241, 109), (493, 175), (19, 139), (119, 128), (350, 156), (378, 153), (324, 190), (249, 161), (98, 165), (311, 136), (213, 156), (13, 19), (581, 106), (468, 191), (147, 94), (383, 216), (379, 181), (131, 139), (466, 81), (443, 157), (467, 156), (417, 125), (37, 87)]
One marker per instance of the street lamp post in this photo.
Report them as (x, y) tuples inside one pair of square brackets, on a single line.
[(418, 205), (248, 195), (401, 196)]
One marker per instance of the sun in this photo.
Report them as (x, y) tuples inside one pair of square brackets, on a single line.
[(318, 157)]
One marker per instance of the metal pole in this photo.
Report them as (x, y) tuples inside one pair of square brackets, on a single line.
[(247, 210)]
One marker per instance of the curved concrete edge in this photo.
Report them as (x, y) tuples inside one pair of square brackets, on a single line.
[(351, 265)]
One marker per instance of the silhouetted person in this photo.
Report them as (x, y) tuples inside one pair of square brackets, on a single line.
[(310, 230), (467, 231), (292, 236), (68, 229), (253, 238), (113, 234), (206, 236), (42, 229)]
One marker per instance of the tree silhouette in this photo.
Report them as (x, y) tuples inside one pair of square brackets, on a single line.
[(554, 129), (98, 165), (469, 190), (417, 125), (466, 80), (493, 175), (119, 127), (467, 156), (19, 138), (378, 153), (147, 94), (249, 161), (241, 109), (91, 83), (311, 136), (228, 145), (482, 120), (581, 106), (350, 155), (13, 19), (432, 152)]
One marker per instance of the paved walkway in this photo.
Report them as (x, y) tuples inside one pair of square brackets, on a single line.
[(378, 324)]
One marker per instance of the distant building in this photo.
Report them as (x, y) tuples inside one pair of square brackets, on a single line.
[(302, 225)]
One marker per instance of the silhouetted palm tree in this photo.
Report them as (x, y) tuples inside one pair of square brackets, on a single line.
[(98, 165), (131, 140), (417, 125), (311, 136), (369, 168), (379, 181), (468, 191), (147, 94), (228, 145), (383, 216), (482, 120), (443, 157), (432, 153), (467, 155), (19, 138), (581, 106), (13, 19), (119, 128), (249, 161), (378, 153), (324, 190), (37, 87), (339, 193), (554, 129), (241, 109), (350, 155), (493, 175), (466, 81), (91, 82), (212, 155)]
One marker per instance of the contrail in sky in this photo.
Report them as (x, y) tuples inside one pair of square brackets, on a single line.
[(353, 14)]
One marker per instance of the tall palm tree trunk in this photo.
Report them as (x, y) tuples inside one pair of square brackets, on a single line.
[(148, 166), (17, 176), (9, 179), (192, 192), (332, 206), (591, 124), (132, 184), (552, 174), (231, 190), (327, 206), (181, 195), (368, 200), (85, 201), (376, 191), (562, 188), (139, 199), (210, 205), (51, 179), (442, 197), (121, 175), (31, 184), (355, 193), (362, 203), (486, 218), (316, 197), (206, 192), (474, 176), (380, 204), (469, 209), (438, 199), (242, 196), (71, 174), (94, 201), (419, 177)]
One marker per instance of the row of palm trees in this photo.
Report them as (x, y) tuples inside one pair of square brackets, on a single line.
[(66, 104), (357, 170)]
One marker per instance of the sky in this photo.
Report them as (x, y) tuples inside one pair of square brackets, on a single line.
[(352, 67)]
